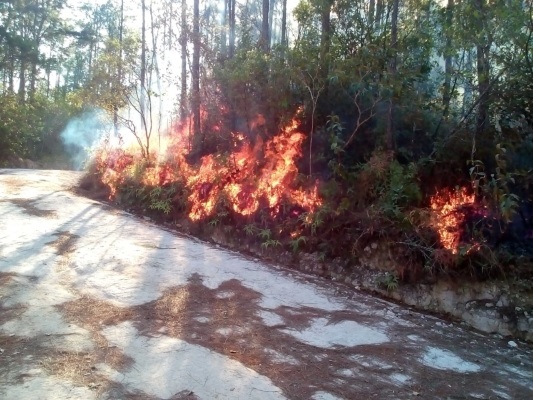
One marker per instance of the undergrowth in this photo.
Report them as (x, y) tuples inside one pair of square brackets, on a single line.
[(378, 201)]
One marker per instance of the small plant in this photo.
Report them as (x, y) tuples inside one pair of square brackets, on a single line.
[(313, 221), (496, 187), (161, 205), (265, 234), (270, 243), (161, 199), (250, 229), (390, 281), (297, 242)]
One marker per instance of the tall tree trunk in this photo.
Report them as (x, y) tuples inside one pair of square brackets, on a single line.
[(11, 87), (325, 38), (33, 76), (379, 14), (196, 69), (155, 69), (232, 4), (223, 35), (170, 33), (371, 10), (271, 21), (483, 68), (183, 44), (446, 91), (265, 28), (22, 79), (119, 83), (284, 24), (144, 125), (392, 72), (468, 86), (483, 44)]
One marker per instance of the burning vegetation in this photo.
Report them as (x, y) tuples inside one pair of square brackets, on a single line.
[(449, 209), (250, 187), (245, 179)]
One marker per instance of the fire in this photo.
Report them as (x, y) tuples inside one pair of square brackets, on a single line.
[(246, 179), (447, 216), (249, 175)]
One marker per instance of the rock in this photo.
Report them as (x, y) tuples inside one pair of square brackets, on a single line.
[(512, 343)]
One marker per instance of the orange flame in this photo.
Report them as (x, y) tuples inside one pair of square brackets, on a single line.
[(447, 216), (244, 179)]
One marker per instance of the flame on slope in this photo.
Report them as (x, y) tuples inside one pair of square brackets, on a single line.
[(245, 179), (248, 175), (447, 217)]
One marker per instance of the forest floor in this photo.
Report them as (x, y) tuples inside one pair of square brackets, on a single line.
[(97, 303)]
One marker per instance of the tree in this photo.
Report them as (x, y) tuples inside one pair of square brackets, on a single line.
[(196, 69), (325, 38), (183, 46), (392, 71), (483, 44), (284, 42), (448, 53), (264, 39)]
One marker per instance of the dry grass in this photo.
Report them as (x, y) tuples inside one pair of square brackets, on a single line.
[(30, 209), (65, 242), (94, 314), (81, 368), (75, 367), (172, 308)]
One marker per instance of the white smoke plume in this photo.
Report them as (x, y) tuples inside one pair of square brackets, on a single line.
[(84, 133)]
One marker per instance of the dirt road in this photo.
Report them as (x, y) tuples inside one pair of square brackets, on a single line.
[(96, 303)]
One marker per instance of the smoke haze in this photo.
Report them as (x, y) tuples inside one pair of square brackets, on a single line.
[(83, 133)]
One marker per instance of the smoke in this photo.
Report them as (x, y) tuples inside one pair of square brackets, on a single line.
[(84, 133)]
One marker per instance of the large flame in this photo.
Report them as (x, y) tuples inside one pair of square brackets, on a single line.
[(251, 174), (448, 217), (248, 177)]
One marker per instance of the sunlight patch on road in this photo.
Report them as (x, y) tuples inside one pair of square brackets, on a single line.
[(47, 387), (46, 321), (279, 358), (446, 360), (270, 318), (324, 396), (165, 366), (346, 333)]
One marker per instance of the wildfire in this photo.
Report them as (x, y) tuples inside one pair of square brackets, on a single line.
[(447, 216), (246, 179), (249, 175)]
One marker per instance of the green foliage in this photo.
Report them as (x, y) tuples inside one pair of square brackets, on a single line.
[(400, 190), (312, 221), (496, 187), (270, 243), (250, 229), (161, 199), (265, 234), (297, 243), (389, 281), (32, 129)]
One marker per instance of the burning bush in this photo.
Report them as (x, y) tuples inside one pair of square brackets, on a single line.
[(247, 178)]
